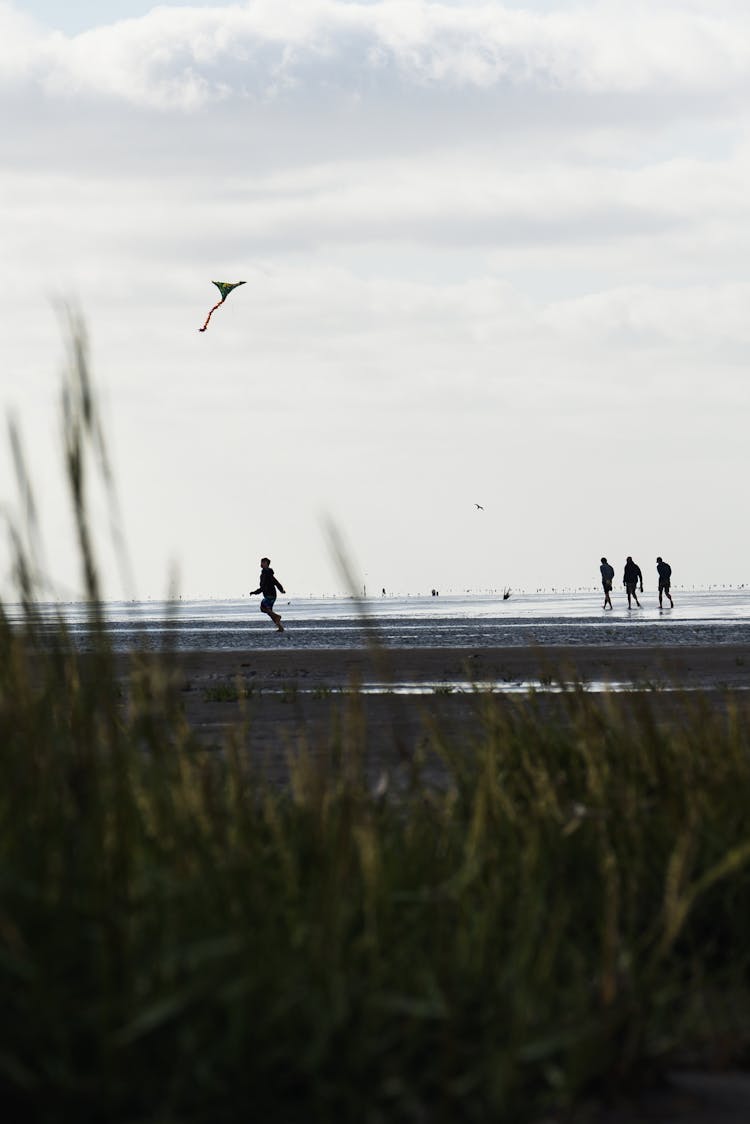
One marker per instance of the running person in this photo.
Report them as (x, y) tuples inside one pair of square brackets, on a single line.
[(665, 581), (267, 586), (631, 577), (608, 575)]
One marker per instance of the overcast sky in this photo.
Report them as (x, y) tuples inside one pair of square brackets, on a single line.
[(495, 253)]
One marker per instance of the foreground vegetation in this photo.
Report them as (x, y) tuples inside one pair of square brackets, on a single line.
[(179, 941)]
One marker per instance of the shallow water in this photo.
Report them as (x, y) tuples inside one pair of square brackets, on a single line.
[(451, 621), (495, 687)]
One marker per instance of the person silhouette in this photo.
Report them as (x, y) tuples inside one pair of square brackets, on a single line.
[(631, 577), (664, 571), (608, 576), (268, 585)]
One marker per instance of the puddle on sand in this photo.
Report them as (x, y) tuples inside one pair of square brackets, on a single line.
[(486, 687), (491, 687)]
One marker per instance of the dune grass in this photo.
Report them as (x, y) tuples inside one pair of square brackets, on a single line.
[(181, 941)]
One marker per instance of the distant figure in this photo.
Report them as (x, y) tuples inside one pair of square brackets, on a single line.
[(479, 506), (665, 581), (608, 576), (631, 577), (267, 586), (506, 594), (383, 591)]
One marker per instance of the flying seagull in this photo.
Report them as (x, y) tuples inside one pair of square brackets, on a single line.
[(478, 505), (225, 288)]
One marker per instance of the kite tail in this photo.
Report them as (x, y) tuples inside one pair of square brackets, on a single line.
[(213, 310)]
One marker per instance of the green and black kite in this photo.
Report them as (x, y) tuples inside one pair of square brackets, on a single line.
[(225, 288)]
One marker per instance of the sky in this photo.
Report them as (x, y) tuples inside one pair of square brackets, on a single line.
[(494, 253)]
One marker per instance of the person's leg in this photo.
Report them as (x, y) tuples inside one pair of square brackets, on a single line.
[(266, 606), (275, 617)]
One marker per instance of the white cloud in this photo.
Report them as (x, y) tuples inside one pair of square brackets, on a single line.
[(288, 51), (713, 319)]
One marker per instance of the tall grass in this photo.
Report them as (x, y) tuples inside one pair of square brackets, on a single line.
[(181, 941)]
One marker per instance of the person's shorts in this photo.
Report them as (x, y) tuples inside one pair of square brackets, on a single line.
[(267, 602), (607, 586), (664, 586), (630, 588)]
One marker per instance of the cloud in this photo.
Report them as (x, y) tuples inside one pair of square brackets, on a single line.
[(287, 51), (460, 202), (243, 89), (691, 323)]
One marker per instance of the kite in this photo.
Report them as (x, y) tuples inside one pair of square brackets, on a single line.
[(225, 288)]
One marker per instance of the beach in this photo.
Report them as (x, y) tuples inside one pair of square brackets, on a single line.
[(281, 701), (708, 666)]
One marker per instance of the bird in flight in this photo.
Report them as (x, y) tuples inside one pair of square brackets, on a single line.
[(225, 288), (478, 505)]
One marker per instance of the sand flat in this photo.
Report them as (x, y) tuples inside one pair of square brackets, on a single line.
[(709, 666), (283, 701)]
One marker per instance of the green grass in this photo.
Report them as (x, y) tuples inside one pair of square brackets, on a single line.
[(181, 941), (228, 692)]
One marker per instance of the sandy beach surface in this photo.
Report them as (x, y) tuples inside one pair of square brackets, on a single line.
[(399, 700), (691, 666)]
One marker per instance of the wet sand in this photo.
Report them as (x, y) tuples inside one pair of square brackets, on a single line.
[(691, 666), (281, 701)]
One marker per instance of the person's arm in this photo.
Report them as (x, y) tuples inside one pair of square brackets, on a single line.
[(278, 584), (254, 591), (640, 578)]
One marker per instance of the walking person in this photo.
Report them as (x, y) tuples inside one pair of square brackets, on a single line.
[(664, 571), (268, 585), (631, 577), (608, 576)]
